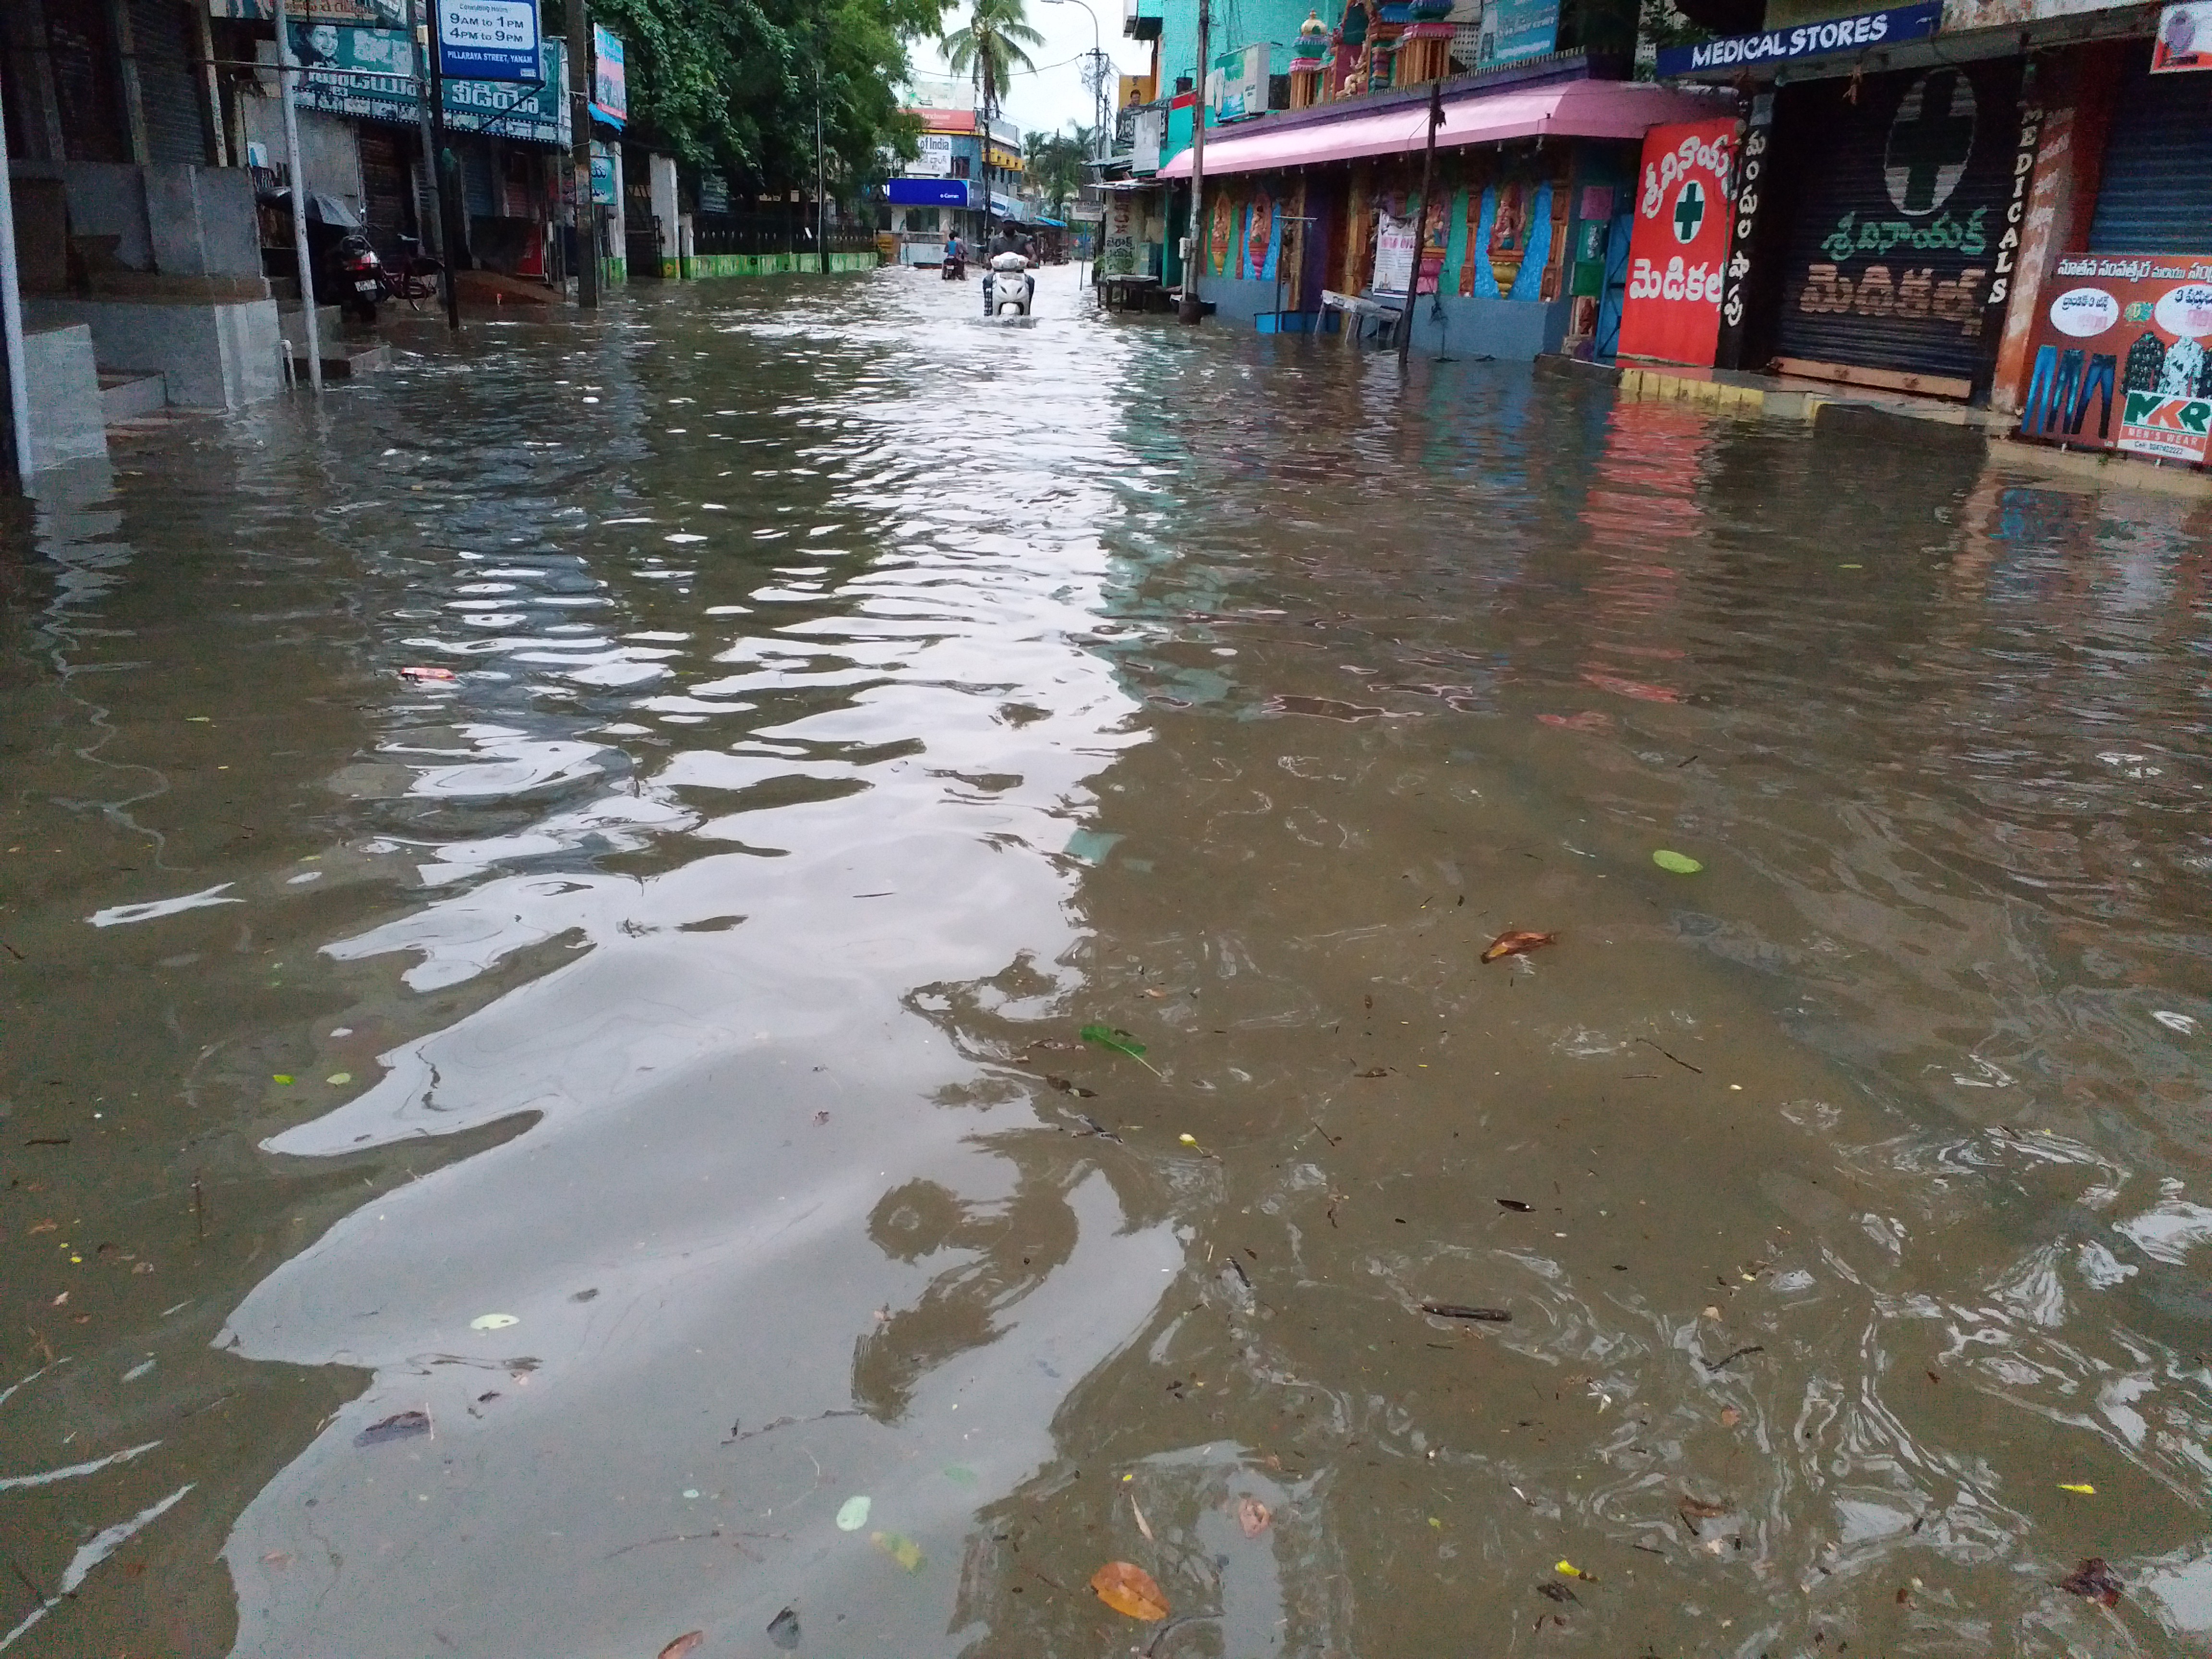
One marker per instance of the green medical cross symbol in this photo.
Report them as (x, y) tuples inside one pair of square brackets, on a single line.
[(1689, 211), (1934, 140)]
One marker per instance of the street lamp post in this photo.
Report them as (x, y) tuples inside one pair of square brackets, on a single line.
[(1097, 79)]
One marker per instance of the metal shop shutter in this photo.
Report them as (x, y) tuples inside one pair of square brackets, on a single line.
[(173, 98), (1902, 200), (2153, 198), (479, 179)]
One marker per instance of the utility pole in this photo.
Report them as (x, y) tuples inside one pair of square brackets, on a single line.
[(1191, 263), (287, 66), (583, 69), (1421, 224), (436, 239), (445, 215), (17, 462)]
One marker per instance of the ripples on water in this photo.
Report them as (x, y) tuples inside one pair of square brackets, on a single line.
[(852, 703)]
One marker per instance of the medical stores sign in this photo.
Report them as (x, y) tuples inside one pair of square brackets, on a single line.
[(2121, 359), (1678, 247), (1839, 35)]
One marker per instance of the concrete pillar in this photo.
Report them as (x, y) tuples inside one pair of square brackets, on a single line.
[(662, 182)]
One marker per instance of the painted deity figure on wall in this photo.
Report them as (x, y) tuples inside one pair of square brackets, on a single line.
[(1262, 228)]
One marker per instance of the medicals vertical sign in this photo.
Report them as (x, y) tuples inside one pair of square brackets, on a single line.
[(1678, 244), (487, 39)]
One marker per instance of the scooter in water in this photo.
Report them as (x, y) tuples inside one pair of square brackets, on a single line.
[(956, 267), (1008, 288)]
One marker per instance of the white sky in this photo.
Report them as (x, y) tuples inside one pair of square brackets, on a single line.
[(1055, 95)]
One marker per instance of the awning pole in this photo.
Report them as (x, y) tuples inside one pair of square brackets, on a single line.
[(11, 324), (284, 68)]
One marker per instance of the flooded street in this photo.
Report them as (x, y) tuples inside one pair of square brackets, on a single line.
[(602, 1147)]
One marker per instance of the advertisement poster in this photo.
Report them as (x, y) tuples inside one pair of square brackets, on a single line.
[(1513, 30), (1119, 258), (2119, 360), (1678, 244), (1394, 252), (610, 78), (1238, 85), (2183, 40)]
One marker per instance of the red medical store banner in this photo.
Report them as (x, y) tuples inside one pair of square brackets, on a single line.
[(1679, 244)]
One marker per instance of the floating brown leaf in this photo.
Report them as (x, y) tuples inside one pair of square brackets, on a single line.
[(1253, 1515), (684, 1645), (1514, 942), (1731, 1417), (1699, 1507), (1130, 1590), (2093, 1579)]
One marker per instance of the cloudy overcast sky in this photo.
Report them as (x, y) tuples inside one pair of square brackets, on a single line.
[(1055, 95)]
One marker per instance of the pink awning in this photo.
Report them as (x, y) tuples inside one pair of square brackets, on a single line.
[(1574, 109)]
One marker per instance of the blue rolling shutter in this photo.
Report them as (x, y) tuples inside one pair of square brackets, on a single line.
[(2152, 197)]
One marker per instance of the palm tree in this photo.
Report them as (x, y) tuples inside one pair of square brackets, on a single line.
[(989, 47)]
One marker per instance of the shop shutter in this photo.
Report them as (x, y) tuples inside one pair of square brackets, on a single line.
[(479, 181), (1901, 198), (386, 187), (172, 96), (2153, 198)]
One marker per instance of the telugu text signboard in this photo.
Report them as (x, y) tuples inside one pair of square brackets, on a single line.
[(2120, 355), (1859, 34), (369, 74), (1678, 244), (487, 39)]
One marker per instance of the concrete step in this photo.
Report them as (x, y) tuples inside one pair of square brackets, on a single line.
[(126, 396), (291, 323), (343, 359)]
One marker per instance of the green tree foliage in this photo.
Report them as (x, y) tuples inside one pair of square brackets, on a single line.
[(732, 84), (990, 46), (1053, 162)]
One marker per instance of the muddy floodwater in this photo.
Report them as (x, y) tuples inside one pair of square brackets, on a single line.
[(602, 1147)]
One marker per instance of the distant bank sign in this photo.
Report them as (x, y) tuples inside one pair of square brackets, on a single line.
[(1838, 35)]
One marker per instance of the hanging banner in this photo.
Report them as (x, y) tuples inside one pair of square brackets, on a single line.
[(2185, 38), (1678, 244), (2120, 357)]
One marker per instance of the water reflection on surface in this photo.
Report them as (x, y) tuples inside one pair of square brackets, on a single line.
[(651, 1056)]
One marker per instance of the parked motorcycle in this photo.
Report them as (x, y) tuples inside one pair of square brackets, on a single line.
[(1008, 288), (343, 270)]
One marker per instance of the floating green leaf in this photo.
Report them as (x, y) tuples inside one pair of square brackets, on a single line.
[(1680, 863), (1110, 1037), (853, 1515)]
